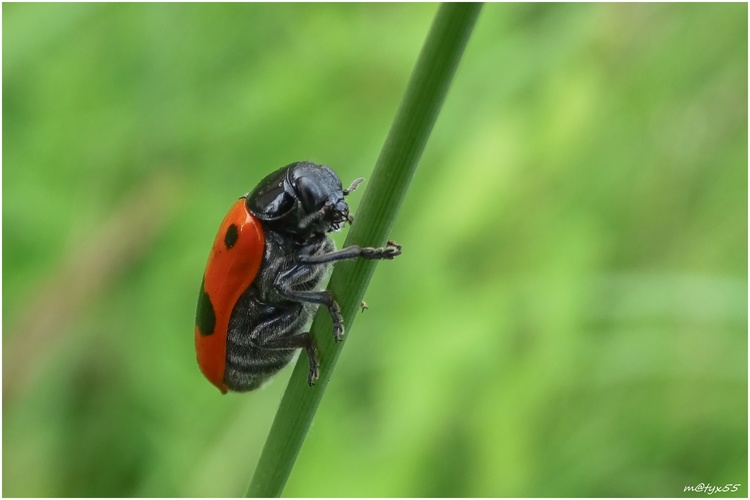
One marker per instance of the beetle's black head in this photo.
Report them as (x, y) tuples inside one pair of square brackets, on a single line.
[(302, 200)]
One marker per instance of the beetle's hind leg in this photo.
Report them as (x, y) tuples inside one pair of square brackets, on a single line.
[(261, 339), (299, 340)]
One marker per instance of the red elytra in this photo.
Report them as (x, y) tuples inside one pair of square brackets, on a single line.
[(234, 261)]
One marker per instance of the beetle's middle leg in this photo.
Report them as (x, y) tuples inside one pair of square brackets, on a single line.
[(287, 284)]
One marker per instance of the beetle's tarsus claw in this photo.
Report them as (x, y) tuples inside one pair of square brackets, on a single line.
[(338, 333)]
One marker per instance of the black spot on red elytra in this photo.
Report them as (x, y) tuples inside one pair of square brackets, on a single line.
[(230, 238), (205, 317)]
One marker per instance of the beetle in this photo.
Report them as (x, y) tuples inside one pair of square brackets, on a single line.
[(259, 289)]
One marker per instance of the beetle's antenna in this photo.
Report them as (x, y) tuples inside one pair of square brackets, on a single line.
[(355, 183)]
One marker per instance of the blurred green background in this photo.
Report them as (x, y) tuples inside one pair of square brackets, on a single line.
[(569, 315)]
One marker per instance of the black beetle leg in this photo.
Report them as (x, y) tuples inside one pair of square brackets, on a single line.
[(313, 217), (389, 251), (263, 336), (285, 285), (303, 340), (325, 298)]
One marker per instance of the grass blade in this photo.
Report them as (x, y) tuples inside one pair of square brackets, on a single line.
[(386, 189)]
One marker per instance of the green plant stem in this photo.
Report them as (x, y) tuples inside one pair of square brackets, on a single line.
[(385, 191)]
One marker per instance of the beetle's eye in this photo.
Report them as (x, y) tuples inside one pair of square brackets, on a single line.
[(310, 194)]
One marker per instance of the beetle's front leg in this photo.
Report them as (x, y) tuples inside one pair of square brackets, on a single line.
[(389, 251)]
